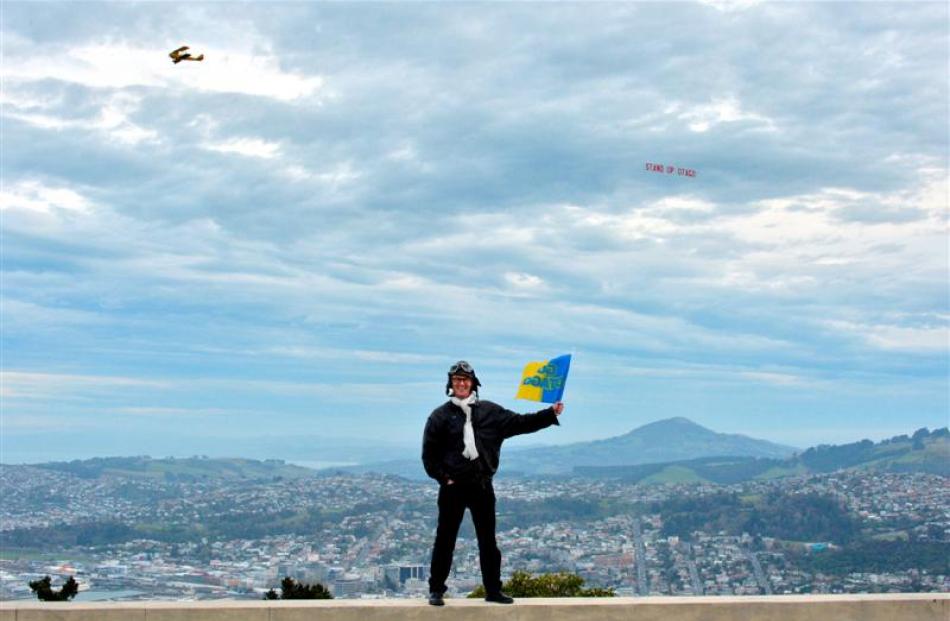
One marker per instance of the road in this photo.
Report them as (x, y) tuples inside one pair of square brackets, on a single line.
[(641, 560), (759, 574)]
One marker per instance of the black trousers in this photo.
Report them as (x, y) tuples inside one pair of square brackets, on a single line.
[(479, 498)]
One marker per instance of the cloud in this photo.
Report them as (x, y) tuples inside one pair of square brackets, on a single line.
[(911, 339), (32, 196), (249, 147), (394, 358), (895, 337), (121, 65), (160, 411), (327, 204), (731, 5), (523, 280), (112, 119), (781, 379), (30, 422), (719, 374), (701, 118), (33, 385)]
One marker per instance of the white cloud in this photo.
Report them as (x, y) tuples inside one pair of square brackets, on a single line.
[(454, 198), (887, 337), (396, 358), (235, 72), (730, 6), (682, 203), (523, 280), (333, 178), (791, 243), (781, 379), (336, 353), (33, 385), (403, 153), (403, 282), (122, 65), (34, 196), (296, 172), (26, 316), (382, 392), (37, 420), (168, 411), (339, 175), (910, 339), (249, 147), (113, 118), (701, 118)]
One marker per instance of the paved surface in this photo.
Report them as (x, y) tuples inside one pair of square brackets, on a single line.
[(892, 607)]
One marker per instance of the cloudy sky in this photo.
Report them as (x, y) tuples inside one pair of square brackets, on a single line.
[(298, 235)]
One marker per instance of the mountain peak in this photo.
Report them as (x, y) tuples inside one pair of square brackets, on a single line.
[(676, 420), (667, 426), (671, 439)]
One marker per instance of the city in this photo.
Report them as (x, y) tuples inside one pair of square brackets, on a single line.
[(370, 535)]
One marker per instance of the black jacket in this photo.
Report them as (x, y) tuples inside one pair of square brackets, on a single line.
[(442, 442)]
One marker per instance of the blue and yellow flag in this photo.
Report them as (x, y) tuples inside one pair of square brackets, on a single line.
[(544, 381)]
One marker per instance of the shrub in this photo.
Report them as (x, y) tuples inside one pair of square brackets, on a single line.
[(291, 589), (561, 584), (44, 590)]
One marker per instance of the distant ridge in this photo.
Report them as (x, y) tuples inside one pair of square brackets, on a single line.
[(179, 469), (924, 452), (670, 439)]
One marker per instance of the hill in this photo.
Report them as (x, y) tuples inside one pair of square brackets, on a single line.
[(672, 439), (177, 469), (647, 455), (922, 452), (667, 440), (720, 470)]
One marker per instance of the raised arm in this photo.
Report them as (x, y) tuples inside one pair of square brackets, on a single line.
[(514, 424)]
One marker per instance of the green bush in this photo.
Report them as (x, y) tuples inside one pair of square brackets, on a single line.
[(561, 584)]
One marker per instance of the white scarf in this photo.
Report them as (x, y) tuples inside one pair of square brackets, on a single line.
[(468, 432)]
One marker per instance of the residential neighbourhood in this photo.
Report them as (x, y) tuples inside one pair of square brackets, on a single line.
[(379, 545)]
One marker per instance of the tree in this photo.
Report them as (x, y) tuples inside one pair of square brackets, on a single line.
[(561, 584), (291, 589), (44, 590)]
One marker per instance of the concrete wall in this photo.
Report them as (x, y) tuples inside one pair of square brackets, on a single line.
[(903, 607)]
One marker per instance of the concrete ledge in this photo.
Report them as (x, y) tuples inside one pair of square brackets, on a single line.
[(893, 607)]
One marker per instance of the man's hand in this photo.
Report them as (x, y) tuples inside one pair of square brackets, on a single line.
[(449, 482), (558, 408)]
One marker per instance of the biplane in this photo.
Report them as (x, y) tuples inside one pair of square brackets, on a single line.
[(180, 54)]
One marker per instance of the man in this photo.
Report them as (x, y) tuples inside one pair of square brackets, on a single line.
[(460, 449)]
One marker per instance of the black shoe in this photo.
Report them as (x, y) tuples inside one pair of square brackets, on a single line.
[(499, 598), (435, 599)]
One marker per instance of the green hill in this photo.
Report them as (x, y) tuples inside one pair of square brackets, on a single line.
[(178, 469), (922, 452)]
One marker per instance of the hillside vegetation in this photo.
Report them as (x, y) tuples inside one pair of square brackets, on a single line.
[(187, 469), (922, 452)]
